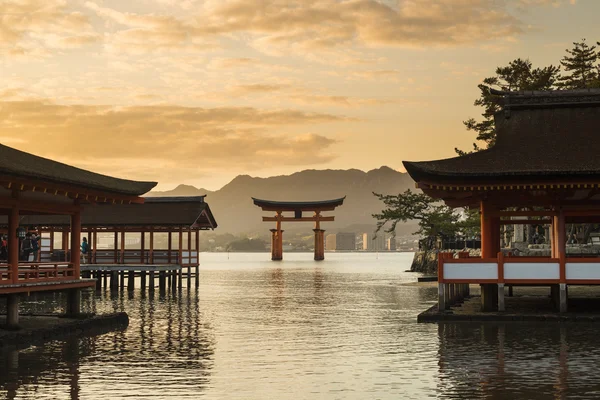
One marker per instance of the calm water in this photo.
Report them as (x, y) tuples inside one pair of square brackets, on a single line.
[(344, 328)]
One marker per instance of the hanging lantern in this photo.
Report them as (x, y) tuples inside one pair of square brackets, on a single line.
[(21, 232)]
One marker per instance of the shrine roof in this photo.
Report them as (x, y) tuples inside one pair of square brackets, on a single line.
[(272, 205), (19, 164), (541, 136), (155, 212)]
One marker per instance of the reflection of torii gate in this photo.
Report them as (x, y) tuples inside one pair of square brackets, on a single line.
[(297, 207)]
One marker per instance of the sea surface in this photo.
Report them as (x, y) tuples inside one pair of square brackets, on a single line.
[(343, 328)]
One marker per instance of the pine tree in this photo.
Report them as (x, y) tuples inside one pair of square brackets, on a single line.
[(580, 64), (517, 75)]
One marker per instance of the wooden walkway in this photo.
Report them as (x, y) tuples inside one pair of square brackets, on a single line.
[(115, 276)]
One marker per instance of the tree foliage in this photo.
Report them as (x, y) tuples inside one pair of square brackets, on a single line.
[(517, 75), (435, 219), (581, 65)]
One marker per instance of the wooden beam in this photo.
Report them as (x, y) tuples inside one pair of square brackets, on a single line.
[(39, 206), (72, 191), (292, 219), (525, 221), (548, 213)]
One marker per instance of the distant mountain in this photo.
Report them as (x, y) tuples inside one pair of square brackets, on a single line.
[(235, 213)]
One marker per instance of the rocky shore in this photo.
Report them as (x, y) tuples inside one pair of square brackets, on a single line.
[(426, 261)]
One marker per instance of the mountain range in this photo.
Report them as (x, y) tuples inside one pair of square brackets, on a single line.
[(235, 212)]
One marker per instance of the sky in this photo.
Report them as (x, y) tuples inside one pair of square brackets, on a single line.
[(199, 91)]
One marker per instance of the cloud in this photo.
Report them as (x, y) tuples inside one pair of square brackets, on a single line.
[(28, 27), (166, 140), (305, 26)]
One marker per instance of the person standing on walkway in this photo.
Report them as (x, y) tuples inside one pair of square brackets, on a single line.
[(85, 248)]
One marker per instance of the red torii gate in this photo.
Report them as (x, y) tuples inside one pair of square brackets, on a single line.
[(297, 207)]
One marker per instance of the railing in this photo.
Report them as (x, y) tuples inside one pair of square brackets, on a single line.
[(519, 270), (37, 272), (188, 257)]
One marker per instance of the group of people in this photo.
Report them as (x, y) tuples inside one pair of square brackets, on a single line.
[(29, 248)]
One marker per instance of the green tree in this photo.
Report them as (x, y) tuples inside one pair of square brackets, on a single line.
[(435, 219), (581, 65), (517, 75)]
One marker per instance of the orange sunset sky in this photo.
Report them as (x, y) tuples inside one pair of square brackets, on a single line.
[(199, 91)]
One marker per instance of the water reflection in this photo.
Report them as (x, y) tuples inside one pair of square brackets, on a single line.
[(167, 341), (518, 360)]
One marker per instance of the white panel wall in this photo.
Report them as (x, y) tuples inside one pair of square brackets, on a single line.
[(471, 271), (515, 270), (583, 271)]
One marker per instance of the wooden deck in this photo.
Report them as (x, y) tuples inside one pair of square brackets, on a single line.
[(131, 267), (39, 286)]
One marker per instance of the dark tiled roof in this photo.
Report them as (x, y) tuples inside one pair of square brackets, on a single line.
[(295, 205), (24, 165), (541, 136), (156, 211)]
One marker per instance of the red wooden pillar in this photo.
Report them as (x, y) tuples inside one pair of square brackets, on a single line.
[(197, 247), (116, 247), (92, 259), (142, 245), (123, 246), (75, 240), (180, 245), (151, 249), (490, 246), (189, 246), (488, 250), (169, 247), (13, 244)]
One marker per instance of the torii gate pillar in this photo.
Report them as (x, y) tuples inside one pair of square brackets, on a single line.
[(319, 244), (276, 245)]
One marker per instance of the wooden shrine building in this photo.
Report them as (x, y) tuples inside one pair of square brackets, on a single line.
[(544, 168), (31, 185), (298, 208), (160, 235)]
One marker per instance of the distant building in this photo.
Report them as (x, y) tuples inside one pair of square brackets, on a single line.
[(375, 244), (330, 242), (345, 241), (391, 244)]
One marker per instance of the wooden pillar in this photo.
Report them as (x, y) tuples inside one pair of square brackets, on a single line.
[(142, 246), (75, 240), (490, 246), (122, 257), (180, 250), (13, 245), (151, 249), (162, 280), (122, 279), (319, 244), (94, 246), (169, 248), (561, 253), (274, 246), (487, 248), (143, 279), (131, 280), (98, 276), (116, 247), (114, 280), (73, 302), (197, 277), (151, 281), (12, 311), (65, 241)]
